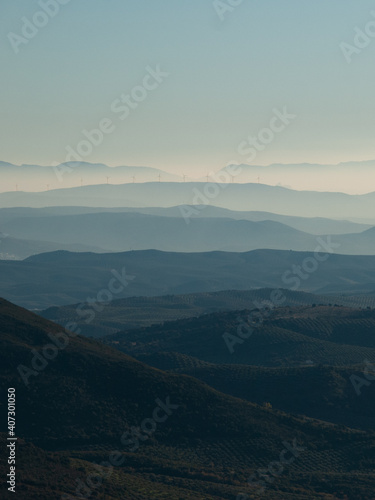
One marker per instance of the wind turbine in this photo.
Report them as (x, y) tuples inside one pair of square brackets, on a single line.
[(159, 176), (133, 179), (107, 179)]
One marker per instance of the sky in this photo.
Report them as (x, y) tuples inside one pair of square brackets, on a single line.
[(223, 74)]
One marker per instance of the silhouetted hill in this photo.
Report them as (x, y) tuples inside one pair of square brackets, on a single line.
[(311, 225), (18, 249), (295, 176), (115, 232), (241, 197), (37, 177), (129, 231), (312, 175), (62, 278)]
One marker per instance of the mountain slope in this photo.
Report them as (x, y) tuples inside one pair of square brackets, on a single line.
[(88, 395), (136, 312), (285, 337), (322, 392)]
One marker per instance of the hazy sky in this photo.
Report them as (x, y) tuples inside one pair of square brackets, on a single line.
[(225, 79)]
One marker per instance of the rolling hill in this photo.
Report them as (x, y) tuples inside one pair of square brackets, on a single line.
[(322, 392), (283, 337), (76, 408), (136, 312), (63, 278), (316, 361)]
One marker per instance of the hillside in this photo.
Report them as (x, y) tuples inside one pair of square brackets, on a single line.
[(78, 406), (322, 392), (287, 337), (136, 312)]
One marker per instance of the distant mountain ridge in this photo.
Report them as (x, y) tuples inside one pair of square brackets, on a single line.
[(299, 176), (39, 178), (27, 231), (241, 197), (312, 225), (117, 232), (356, 177), (63, 278)]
